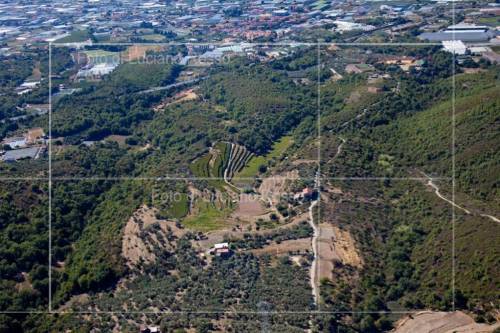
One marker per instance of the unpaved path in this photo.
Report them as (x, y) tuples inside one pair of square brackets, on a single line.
[(465, 210), (226, 170), (436, 190), (359, 115), (339, 150), (491, 217)]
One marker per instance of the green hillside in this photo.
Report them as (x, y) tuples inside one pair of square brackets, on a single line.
[(168, 162), (424, 141), (404, 230)]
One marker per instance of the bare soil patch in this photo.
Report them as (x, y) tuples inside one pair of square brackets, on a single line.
[(135, 247), (335, 245), (441, 322), (25, 284), (137, 52), (249, 208), (275, 187), (292, 245), (120, 139), (183, 96)]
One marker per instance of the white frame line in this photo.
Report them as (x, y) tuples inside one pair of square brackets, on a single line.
[(317, 268), (50, 178), (453, 164), (313, 312), (55, 178), (318, 44)]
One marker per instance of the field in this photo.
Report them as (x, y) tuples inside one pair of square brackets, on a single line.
[(491, 21), (76, 37), (208, 218), (252, 168), (153, 38), (179, 208), (136, 52)]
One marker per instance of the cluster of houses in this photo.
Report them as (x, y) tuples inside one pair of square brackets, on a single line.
[(200, 20), (30, 145)]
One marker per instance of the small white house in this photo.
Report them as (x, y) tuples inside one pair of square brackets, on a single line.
[(220, 249)]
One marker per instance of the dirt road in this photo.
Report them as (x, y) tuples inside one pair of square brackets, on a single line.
[(339, 150), (451, 202), (314, 245)]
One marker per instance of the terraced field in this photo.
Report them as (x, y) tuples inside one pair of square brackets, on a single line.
[(223, 161), (239, 157)]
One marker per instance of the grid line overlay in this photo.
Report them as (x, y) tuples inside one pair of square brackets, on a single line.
[(317, 184), (453, 164), (318, 178), (50, 177)]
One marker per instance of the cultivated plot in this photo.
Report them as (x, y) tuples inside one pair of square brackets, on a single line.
[(182, 246)]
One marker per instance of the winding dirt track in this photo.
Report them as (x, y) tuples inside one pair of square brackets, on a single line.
[(339, 150), (465, 210)]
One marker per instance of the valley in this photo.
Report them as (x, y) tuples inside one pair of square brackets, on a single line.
[(190, 196)]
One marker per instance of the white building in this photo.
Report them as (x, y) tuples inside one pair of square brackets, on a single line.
[(455, 46), (343, 26)]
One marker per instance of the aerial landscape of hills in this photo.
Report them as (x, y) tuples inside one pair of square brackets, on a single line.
[(281, 166)]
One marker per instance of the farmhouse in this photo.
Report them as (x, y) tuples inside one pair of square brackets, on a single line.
[(306, 193), (149, 329), (220, 250)]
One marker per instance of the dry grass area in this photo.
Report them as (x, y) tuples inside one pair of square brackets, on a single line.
[(275, 187), (25, 284), (335, 245), (304, 161), (183, 96), (237, 231), (474, 70), (441, 322), (283, 248), (137, 52), (136, 249), (187, 95), (249, 208), (120, 139), (354, 97)]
